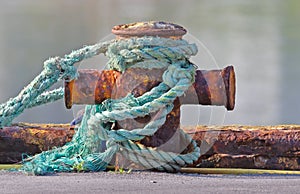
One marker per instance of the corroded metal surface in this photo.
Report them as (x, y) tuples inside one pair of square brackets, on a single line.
[(152, 28), (270, 147), (91, 87), (279, 140), (250, 161), (31, 139), (213, 87), (264, 147)]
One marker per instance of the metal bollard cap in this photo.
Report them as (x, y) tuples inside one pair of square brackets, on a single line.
[(151, 28)]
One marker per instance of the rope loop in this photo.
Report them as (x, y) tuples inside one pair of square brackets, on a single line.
[(178, 71), (124, 53)]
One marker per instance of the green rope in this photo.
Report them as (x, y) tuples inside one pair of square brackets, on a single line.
[(84, 152), (55, 69)]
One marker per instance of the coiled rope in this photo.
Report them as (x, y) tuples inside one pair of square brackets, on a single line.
[(84, 152)]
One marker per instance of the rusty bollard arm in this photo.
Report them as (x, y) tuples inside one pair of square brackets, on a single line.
[(214, 87)]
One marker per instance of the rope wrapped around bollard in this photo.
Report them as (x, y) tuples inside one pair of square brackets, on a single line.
[(84, 152)]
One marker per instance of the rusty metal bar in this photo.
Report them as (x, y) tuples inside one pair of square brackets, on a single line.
[(30, 139), (214, 87), (91, 87), (262, 147)]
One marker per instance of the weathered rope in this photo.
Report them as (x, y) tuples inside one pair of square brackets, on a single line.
[(85, 152), (55, 69)]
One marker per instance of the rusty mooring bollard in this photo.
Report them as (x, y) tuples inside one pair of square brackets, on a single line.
[(215, 87)]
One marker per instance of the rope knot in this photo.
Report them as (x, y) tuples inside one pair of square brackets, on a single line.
[(178, 71)]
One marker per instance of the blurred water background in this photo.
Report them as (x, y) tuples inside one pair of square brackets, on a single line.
[(261, 39)]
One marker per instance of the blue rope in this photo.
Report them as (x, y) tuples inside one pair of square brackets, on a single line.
[(85, 152)]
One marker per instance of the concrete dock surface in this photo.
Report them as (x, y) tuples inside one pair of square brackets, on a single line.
[(146, 182)]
